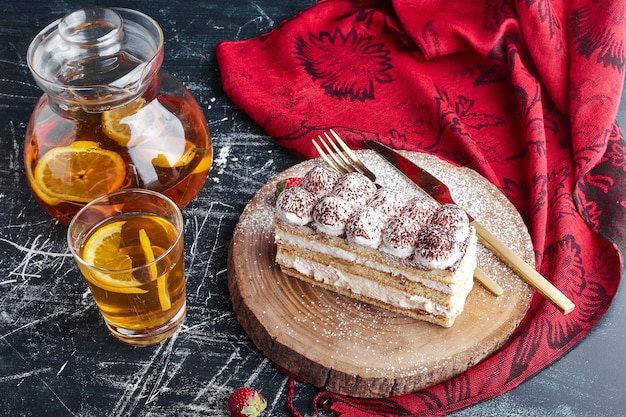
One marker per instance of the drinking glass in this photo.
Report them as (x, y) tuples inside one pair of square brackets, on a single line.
[(128, 245)]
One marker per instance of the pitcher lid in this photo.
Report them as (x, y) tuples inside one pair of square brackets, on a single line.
[(102, 55)]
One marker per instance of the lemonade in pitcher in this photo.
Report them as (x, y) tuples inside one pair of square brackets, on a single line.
[(110, 118)]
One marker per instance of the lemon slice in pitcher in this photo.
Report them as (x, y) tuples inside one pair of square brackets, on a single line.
[(115, 124), (79, 172), (137, 122), (103, 249), (166, 158)]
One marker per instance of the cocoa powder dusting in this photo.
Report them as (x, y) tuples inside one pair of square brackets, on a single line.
[(320, 180), (296, 201), (355, 187), (389, 201), (435, 243), (332, 211)]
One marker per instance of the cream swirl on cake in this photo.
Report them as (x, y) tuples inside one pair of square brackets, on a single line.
[(436, 247), (320, 180), (295, 205), (400, 235), (421, 209), (331, 213), (365, 227), (454, 219), (389, 201), (355, 188)]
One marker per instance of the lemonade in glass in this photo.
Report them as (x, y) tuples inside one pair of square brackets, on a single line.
[(128, 245)]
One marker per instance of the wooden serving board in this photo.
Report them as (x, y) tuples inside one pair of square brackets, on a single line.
[(352, 348)]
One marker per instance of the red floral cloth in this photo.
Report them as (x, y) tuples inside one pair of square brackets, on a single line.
[(524, 92)]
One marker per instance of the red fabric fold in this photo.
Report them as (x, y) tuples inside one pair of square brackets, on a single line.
[(525, 93)]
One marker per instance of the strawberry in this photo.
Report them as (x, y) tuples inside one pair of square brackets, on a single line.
[(246, 402), (286, 184)]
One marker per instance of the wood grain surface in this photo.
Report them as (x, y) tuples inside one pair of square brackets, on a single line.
[(356, 349)]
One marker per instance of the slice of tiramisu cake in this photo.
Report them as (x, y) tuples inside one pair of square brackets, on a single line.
[(382, 246)]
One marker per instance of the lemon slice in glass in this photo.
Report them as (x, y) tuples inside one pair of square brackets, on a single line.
[(146, 246), (104, 249), (79, 172)]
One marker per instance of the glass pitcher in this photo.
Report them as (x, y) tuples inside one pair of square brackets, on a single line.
[(110, 117)]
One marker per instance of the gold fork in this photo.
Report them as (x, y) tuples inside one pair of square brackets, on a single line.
[(342, 160), (337, 155)]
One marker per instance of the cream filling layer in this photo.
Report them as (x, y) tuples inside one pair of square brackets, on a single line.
[(364, 287)]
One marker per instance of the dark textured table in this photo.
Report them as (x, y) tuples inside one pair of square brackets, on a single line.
[(56, 356)]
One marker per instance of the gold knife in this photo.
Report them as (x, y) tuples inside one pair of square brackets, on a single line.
[(440, 192)]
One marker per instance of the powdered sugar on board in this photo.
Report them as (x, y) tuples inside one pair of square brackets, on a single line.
[(356, 349)]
